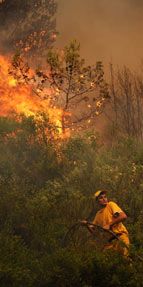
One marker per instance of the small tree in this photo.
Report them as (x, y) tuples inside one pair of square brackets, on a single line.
[(80, 90)]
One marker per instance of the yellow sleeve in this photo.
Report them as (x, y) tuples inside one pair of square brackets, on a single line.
[(115, 208)]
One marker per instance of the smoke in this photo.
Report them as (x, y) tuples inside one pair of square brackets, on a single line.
[(108, 30)]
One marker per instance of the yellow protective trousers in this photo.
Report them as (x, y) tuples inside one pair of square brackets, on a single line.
[(121, 244)]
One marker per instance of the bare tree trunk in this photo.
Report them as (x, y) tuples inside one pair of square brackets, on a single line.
[(113, 93), (139, 111)]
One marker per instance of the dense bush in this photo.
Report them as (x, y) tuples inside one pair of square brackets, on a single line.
[(46, 186)]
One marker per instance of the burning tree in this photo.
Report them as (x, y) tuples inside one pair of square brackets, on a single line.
[(81, 90), (30, 25), (69, 92)]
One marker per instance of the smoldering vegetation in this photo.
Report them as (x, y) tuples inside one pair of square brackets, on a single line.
[(27, 26)]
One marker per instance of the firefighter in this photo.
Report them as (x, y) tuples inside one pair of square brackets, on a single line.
[(110, 217)]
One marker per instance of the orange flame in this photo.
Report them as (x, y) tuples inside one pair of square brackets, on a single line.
[(20, 98)]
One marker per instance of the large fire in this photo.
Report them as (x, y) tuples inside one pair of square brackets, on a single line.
[(22, 97)]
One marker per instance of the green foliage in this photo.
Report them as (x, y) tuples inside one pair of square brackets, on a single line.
[(27, 153), (45, 188), (7, 126)]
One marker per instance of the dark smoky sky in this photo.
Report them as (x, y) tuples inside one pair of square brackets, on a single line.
[(108, 30)]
